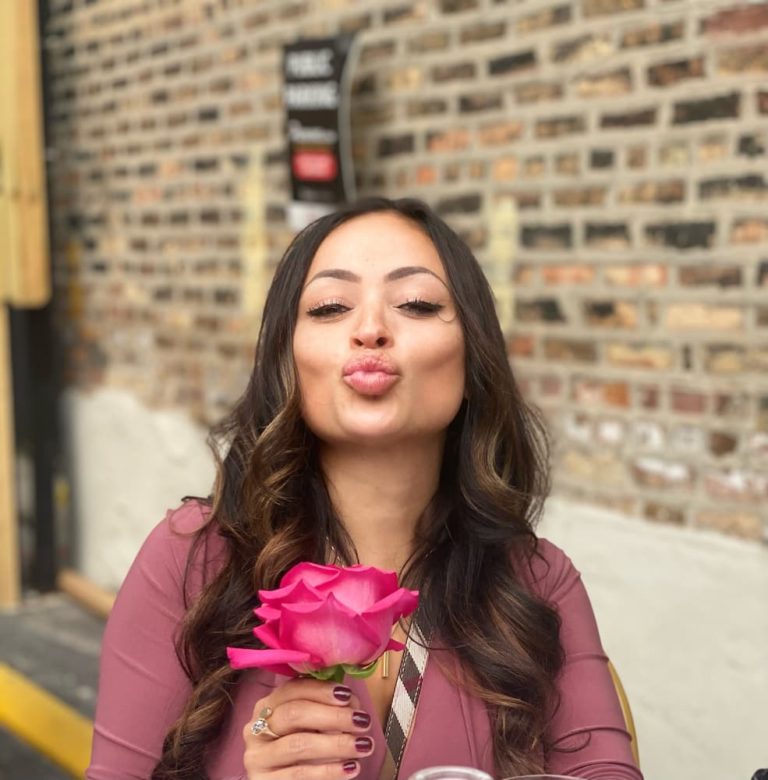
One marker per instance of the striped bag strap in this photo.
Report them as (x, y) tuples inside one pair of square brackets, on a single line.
[(404, 701)]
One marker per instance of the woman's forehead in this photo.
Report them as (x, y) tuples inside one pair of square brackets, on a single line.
[(377, 243)]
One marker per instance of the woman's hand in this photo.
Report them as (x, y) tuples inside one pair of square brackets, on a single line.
[(321, 732)]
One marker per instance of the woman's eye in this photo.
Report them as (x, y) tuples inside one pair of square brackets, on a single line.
[(330, 309), (420, 307)]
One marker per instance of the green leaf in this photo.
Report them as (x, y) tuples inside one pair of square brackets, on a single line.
[(328, 673), (361, 672)]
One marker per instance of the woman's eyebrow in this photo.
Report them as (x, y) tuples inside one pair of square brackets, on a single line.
[(394, 275)]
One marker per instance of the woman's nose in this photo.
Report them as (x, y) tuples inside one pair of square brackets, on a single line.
[(371, 330)]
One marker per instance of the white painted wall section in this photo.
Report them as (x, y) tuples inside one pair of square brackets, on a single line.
[(684, 616), (128, 465)]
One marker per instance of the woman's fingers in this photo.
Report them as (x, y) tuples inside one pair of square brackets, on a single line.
[(297, 753), (334, 694), (301, 715), (337, 770), (320, 733), (305, 746)]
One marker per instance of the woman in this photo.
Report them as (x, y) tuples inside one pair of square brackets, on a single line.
[(381, 424)]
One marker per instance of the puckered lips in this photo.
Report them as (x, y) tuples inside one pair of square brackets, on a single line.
[(370, 375)]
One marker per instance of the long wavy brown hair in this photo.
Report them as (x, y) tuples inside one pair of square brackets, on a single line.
[(271, 505)]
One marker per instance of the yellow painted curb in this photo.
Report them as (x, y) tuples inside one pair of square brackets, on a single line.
[(44, 722)]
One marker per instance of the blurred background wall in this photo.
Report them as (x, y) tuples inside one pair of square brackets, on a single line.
[(605, 159)]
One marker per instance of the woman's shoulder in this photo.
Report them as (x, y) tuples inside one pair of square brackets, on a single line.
[(185, 543), (547, 571)]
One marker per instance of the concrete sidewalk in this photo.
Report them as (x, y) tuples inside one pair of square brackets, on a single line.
[(52, 643)]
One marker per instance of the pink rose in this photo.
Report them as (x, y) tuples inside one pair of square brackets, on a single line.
[(327, 620)]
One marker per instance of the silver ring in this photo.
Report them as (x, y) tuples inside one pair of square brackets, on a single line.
[(260, 727)]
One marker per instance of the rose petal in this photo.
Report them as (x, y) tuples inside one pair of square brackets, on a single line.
[(270, 660), (313, 574), (331, 631), (359, 587), (267, 613), (399, 604), (268, 634), (296, 591)]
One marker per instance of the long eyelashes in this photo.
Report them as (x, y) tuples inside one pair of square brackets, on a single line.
[(421, 307), (327, 309), (414, 306)]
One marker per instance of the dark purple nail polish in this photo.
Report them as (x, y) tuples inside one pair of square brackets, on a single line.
[(361, 719), (363, 744), (350, 767), (342, 693)]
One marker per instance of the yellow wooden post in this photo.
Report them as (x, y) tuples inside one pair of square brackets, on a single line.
[(24, 262)]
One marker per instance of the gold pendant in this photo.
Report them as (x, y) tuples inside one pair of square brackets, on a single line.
[(385, 665)]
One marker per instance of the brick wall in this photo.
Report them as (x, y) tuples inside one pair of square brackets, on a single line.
[(606, 159)]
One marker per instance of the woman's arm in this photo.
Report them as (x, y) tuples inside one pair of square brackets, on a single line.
[(142, 687), (587, 733)]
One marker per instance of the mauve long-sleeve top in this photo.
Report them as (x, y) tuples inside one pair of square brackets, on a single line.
[(142, 687)]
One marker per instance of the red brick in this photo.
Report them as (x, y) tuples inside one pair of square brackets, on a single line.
[(482, 31), (585, 48), (559, 14), (568, 274), (637, 157), (749, 230), (663, 513), (448, 140), (741, 18), (700, 275), (580, 196), (534, 167), (560, 126), (736, 485), (653, 34), (505, 169), (687, 401), (663, 474), (648, 396), (700, 316), (522, 346), (665, 74), (636, 275), (643, 356), (721, 443), (551, 386), (670, 191), (611, 314), (453, 71), (729, 359), (537, 91), (431, 40), (570, 350), (568, 163), (499, 133), (614, 82), (592, 392), (602, 7), (378, 51), (426, 174), (744, 59)]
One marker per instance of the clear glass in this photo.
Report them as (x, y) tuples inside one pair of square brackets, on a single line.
[(450, 773)]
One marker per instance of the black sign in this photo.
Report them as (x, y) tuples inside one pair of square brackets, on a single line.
[(316, 98)]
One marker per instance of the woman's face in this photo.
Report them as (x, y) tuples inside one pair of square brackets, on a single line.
[(378, 346)]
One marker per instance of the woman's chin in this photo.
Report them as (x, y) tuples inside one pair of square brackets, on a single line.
[(368, 436)]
